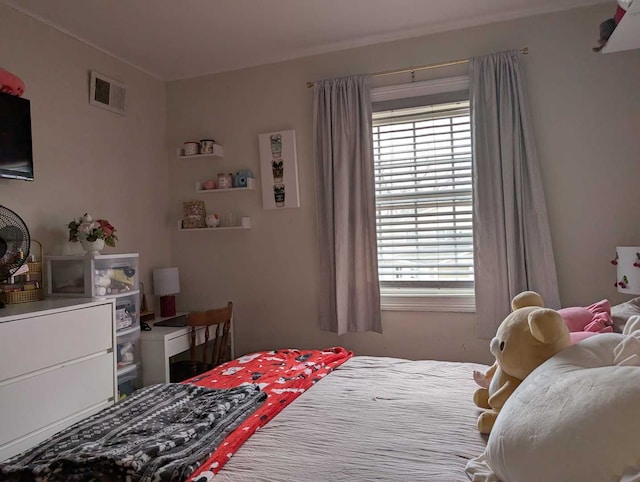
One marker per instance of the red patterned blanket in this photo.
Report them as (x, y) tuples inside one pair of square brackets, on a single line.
[(282, 374)]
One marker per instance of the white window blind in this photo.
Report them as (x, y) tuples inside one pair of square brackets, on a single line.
[(423, 169)]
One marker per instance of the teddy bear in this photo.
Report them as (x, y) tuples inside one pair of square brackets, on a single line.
[(528, 336)]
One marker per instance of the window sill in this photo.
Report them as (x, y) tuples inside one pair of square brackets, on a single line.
[(436, 300)]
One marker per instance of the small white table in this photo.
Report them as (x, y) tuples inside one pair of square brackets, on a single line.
[(163, 342)]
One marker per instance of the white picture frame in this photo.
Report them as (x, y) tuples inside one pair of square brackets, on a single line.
[(279, 170)]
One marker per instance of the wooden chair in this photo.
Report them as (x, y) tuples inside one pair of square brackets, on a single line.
[(217, 324)]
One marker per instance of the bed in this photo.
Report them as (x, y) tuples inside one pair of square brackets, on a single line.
[(344, 418), (382, 419)]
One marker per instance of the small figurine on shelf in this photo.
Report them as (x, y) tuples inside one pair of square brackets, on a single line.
[(225, 181), (209, 184), (212, 220)]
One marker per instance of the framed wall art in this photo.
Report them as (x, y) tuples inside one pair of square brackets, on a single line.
[(279, 169)]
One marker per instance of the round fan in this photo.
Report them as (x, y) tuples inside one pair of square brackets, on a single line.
[(14, 242)]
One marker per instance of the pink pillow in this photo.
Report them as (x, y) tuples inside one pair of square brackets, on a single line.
[(594, 318)]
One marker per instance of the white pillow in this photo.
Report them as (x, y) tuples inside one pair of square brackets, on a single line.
[(574, 418), (633, 324), (622, 312)]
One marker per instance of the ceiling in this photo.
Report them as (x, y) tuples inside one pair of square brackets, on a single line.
[(173, 39)]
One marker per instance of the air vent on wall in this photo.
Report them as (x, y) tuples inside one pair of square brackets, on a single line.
[(107, 93)]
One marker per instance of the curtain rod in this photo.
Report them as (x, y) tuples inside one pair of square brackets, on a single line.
[(523, 51)]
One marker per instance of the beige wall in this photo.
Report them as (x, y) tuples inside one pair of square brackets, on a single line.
[(586, 113), (87, 158)]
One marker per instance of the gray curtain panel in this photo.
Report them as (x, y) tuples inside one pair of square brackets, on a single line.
[(349, 291), (513, 250)]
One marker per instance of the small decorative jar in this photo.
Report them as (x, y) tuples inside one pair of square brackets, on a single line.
[(191, 148), (225, 181), (206, 146)]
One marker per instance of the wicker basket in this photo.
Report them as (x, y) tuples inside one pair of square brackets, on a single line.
[(24, 296), (28, 295), (35, 267)]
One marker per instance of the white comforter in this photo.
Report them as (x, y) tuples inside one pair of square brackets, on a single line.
[(373, 419)]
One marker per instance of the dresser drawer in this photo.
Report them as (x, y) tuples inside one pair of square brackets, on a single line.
[(43, 341), (43, 399), (30, 440), (182, 342)]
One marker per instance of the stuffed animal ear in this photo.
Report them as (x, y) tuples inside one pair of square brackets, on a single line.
[(526, 298), (547, 326)]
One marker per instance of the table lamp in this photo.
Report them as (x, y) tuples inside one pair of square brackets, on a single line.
[(166, 283), (627, 262)]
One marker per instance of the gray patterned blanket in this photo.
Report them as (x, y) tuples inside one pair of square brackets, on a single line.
[(160, 433)]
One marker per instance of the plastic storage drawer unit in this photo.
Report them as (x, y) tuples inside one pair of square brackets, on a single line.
[(92, 276), (126, 312), (127, 381), (105, 276), (128, 346)]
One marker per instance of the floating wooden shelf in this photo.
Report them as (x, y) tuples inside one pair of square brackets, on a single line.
[(218, 151), (251, 186), (220, 228)]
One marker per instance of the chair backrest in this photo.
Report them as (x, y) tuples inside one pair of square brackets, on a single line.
[(219, 321)]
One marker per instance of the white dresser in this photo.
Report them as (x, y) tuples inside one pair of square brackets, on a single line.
[(57, 366)]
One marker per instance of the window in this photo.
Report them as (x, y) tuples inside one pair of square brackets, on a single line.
[(423, 170)]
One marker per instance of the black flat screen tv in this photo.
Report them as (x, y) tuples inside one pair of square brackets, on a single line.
[(16, 153)]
